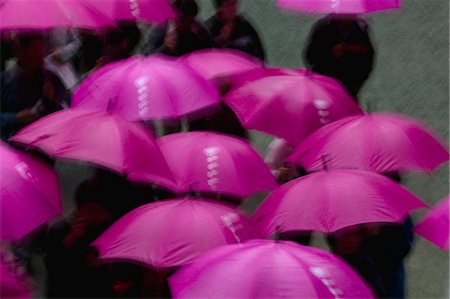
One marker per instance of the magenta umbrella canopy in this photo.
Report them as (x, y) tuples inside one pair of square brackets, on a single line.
[(333, 199), (149, 88), (291, 106), (376, 142), (102, 139), (216, 163), (238, 79), (47, 14), (29, 193), (13, 285), (151, 11), (101, 85), (338, 6), (213, 63), (171, 233), (268, 269), (435, 227)]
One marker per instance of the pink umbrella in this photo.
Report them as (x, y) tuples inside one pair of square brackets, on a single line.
[(216, 163), (268, 269), (338, 6), (376, 142), (102, 139), (172, 233), (334, 199), (12, 284), (145, 89), (29, 193), (291, 107), (152, 11), (46, 14), (100, 85), (238, 79), (211, 64), (436, 225)]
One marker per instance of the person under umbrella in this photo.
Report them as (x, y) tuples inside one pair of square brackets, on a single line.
[(167, 234), (28, 90), (180, 36), (375, 242), (120, 42), (232, 30), (377, 252), (268, 269), (71, 265), (339, 46)]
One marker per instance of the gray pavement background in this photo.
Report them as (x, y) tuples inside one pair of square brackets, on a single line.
[(411, 76)]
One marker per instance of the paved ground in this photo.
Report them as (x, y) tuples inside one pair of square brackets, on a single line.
[(411, 76)]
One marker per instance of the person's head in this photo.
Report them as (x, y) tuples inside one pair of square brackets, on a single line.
[(91, 50), (347, 240), (187, 12), (127, 279), (226, 9), (30, 51), (345, 20), (127, 32)]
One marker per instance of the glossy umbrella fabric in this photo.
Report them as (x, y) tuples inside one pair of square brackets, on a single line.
[(268, 269), (29, 193), (48, 14), (13, 285), (216, 163), (291, 107), (151, 11), (435, 226), (211, 64), (378, 142), (238, 79), (101, 85), (149, 88), (102, 139), (333, 199), (338, 6), (171, 233)]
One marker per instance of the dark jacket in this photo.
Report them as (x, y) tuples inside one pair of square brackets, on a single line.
[(18, 94), (244, 38), (355, 62), (196, 39)]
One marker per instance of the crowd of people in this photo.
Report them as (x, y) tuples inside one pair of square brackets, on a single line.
[(39, 72)]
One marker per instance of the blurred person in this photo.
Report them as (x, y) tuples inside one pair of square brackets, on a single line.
[(277, 151), (91, 50), (223, 120), (136, 280), (388, 245), (62, 47), (232, 30), (6, 51), (339, 46), (377, 252), (183, 35), (120, 42), (73, 268), (348, 244), (28, 90)]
